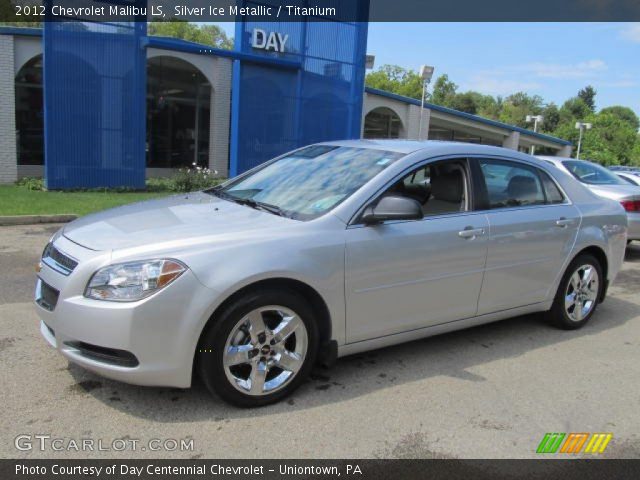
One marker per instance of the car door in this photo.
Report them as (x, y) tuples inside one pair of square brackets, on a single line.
[(405, 275), (533, 228)]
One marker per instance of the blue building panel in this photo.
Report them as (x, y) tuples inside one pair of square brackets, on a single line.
[(94, 104), (275, 109)]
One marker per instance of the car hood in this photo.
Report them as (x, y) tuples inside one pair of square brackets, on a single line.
[(179, 217), (616, 192)]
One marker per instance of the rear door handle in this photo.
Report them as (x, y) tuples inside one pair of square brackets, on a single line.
[(470, 232), (564, 222)]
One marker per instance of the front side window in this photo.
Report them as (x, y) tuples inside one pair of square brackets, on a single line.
[(309, 182), (510, 184), (440, 187), (592, 173)]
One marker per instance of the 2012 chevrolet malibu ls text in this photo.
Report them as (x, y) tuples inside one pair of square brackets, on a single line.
[(326, 251)]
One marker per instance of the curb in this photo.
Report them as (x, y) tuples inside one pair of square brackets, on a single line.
[(36, 219)]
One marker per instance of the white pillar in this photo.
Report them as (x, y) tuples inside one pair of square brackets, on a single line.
[(413, 125), (512, 141), (8, 148), (565, 151)]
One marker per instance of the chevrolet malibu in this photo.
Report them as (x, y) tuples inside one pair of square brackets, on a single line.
[(329, 250)]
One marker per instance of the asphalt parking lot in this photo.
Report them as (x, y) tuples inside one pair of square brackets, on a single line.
[(489, 392)]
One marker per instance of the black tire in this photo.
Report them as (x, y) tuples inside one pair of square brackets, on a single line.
[(558, 314), (213, 342)]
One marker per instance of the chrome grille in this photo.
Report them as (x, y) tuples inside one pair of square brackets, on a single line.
[(58, 260)]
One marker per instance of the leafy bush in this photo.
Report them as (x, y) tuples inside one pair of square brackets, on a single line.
[(159, 185), (184, 180), (191, 179), (31, 183)]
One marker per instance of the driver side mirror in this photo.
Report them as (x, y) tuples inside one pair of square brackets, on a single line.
[(392, 207)]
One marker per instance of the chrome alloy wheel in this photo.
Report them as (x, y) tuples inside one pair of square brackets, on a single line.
[(582, 292), (265, 350)]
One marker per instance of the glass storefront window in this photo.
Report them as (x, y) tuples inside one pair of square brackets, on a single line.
[(29, 113), (382, 123), (178, 108)]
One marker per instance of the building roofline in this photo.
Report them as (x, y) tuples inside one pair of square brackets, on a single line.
[(468, 116), (26, 31), (179, 45)]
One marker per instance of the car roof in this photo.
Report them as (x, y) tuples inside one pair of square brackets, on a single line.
[(426, 146)]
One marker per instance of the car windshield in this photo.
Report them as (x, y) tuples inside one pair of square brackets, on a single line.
[(309, 182), (592, 173)]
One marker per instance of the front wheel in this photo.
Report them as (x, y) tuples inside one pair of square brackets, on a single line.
[(578, 293), (260, 349)]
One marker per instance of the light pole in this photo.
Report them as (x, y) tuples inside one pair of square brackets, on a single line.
[(535, 119), (426, 72), (582, 127)]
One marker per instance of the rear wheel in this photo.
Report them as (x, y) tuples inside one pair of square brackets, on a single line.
[(260, 349), (578, 293)]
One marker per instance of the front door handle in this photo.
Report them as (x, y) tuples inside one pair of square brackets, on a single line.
[(470, 232), (564, 222)]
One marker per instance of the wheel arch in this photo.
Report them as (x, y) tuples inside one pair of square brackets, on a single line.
[(309, 293), (600, 255)]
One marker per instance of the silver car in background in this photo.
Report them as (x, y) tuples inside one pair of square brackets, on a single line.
[(330, 250), (632, 178), (607, 184)]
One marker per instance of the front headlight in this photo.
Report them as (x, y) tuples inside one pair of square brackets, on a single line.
[(128, 282)]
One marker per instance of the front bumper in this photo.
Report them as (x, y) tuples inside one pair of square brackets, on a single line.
[(633, 232), (149, 342)]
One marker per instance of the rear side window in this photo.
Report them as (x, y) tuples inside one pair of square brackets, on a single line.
[(551, 190), (510, 184)]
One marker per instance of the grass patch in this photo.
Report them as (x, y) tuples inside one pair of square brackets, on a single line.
[(15, 200)]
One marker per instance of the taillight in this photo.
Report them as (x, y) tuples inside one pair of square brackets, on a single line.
[(631, 205)]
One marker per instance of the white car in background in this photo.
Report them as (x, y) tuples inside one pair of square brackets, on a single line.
[(605, 183)]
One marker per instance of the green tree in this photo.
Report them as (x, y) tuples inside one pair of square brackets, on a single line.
[(444, 91), (551, 115), (8, 16), (588, 96), (206, 34), (516, 107), (611, 141), (635, 153), (625, 114), (466, 102), (574, 109), (395, 79)]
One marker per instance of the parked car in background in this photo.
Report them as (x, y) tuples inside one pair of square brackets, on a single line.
[(326, 251), (623, 168), (630, 177), (607, 184)]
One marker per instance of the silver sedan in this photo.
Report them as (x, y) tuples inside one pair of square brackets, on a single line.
[(607, 184), (329, 250)]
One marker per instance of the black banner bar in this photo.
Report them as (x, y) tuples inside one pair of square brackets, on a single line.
[(326, 10), (305, 469)]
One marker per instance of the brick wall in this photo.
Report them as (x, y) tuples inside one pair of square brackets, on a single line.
[(8, 155)]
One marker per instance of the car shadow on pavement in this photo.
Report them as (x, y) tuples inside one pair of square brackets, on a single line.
[(453, 354), (632, 253)]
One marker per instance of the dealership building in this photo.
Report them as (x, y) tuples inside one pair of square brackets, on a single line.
[(119, 111)]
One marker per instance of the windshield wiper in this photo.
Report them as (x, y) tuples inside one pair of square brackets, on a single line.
[(267, 207)]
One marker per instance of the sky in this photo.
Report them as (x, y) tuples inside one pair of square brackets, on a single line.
[(553, 60)]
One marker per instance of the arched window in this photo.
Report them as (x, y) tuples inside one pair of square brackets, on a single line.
[(29, 113), (178, 107), (382, 122)]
